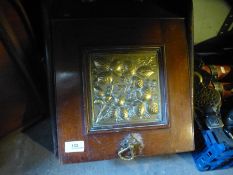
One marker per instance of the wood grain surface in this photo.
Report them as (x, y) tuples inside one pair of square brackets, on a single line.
[(70, 36)]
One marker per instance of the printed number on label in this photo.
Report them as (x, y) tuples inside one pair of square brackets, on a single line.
[(74, 146)]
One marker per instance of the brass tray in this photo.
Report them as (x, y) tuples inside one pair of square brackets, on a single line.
[(125, 87)]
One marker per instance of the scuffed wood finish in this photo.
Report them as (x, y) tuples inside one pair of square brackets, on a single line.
[(70, 36)]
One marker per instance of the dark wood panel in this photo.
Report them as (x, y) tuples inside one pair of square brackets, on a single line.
[(21, 89), (70, 36), (17, 107), (12, 101)]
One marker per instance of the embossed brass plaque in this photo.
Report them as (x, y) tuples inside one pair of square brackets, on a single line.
[(125, 88)]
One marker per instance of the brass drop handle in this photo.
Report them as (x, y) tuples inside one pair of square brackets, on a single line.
[(127, 153), (131, 145)]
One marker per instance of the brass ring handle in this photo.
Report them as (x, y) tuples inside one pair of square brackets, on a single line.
[(130, 148)]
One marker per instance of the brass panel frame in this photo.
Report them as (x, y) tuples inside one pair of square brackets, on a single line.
[(91, 91)]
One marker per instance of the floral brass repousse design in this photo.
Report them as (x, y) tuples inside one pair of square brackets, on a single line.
[(125, 87)]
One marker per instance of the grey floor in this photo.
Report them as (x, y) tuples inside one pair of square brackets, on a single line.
[(30, 152)]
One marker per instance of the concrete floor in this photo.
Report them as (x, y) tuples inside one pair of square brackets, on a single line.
[(29, 152)]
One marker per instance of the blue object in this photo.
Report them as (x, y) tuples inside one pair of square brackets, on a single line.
[(214, 155)]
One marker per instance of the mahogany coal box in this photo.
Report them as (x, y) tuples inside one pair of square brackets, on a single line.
[(120, 78)]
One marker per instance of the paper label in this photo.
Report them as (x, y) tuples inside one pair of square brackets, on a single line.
[(74, 146)]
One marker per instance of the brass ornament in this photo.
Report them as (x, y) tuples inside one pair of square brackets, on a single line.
[(141, 110), (121, 101), (131, 69), (153, 108), (108, 98), (105, 78), (139, 83), (117, 67), (98, 101), (101, 64), (147, 94), (122, 85), (98, 91), (145, 71), (125, 113)]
